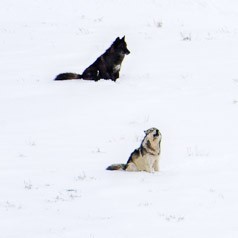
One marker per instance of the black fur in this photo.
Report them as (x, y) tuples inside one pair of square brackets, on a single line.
[(106, 66), (135, 153)]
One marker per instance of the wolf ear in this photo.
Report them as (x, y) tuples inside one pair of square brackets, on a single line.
[(123, 38), (116, 41)]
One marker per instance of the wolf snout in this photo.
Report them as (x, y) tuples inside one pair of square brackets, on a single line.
[(127, 52), (157, 133)]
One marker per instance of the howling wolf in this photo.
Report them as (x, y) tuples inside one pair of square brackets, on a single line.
[(146, 157), (106, 66)]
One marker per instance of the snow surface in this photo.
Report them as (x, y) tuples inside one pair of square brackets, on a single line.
[(57, 138)]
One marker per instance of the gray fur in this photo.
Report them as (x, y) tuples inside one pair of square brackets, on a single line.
[(146, 157)]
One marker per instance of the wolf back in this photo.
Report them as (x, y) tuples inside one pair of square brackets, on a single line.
[(106, 66)]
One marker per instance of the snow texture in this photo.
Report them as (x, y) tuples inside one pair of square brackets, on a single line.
[(57, 138)]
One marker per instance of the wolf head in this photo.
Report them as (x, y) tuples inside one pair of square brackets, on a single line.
[(153, 134), (120, 46), (152, 140)]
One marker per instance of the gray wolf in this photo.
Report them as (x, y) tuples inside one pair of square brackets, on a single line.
[(146, 157), (106, 66)]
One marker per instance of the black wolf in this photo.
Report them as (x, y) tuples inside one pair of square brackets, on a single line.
[(106, 66)]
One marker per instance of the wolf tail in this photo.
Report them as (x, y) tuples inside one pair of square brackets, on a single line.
[(67, 76), (116, 167)]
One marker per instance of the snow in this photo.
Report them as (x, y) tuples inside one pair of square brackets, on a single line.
[(57, 138)]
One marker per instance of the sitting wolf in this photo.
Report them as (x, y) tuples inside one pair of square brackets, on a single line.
[(106, 66), (146, 157)]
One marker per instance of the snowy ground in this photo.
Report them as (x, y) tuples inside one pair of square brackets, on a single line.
[(57, 138)]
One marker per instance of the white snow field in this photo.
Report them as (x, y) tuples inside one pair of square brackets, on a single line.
[(57, 138)]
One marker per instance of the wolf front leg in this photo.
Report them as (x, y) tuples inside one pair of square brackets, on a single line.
[(156, 165), (149, 169), (115, 76)]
